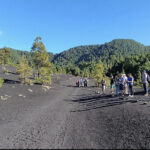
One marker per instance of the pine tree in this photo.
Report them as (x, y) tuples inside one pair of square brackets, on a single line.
[(138, 80), (24, 71), (97, 73), (5, 56), (41, 61)]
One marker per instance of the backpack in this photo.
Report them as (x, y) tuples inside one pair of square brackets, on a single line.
[(148, 78)]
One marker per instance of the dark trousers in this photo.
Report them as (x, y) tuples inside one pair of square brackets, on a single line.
[(131, 89), (145, 85)]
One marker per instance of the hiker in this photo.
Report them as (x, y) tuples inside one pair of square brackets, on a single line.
[(117, 87), (85, 83), (130, 84), (77, 83), (125, 84), (81, 82), (145, 82), (121, 84), (112, 81), (103, 84)]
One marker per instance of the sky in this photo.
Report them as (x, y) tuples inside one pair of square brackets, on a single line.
[(64, 24)]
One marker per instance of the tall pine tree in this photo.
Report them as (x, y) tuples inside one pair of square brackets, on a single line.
[(41, 61)]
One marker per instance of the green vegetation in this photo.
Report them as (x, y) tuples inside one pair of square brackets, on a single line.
[(132, 64), (5, 56), (24, 71), (1, 82), (98, 73), (44, 77), (41, 62), (117, 56), (107, 53)]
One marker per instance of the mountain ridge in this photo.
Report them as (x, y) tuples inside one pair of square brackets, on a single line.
[(87, 53), (116, 47)]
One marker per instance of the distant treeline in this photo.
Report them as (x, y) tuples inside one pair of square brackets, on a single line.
[(117, 56)]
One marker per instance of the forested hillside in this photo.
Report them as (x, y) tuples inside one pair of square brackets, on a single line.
[(15, 55), (108, 52), (117, 56)]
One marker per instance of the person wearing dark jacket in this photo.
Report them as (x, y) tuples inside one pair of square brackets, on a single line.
[(145, 82)]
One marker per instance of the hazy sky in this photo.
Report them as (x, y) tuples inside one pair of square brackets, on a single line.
[(63, 24)]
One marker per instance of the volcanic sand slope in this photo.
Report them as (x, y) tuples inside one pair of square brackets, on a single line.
[(70, 117)]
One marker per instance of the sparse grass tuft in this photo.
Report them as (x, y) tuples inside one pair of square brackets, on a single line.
[(1, 82)]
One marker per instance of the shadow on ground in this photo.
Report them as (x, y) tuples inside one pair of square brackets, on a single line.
[(89, 102), (8, 81)]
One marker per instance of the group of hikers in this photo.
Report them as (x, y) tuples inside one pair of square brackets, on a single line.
[(82, 82), (123, 84)]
